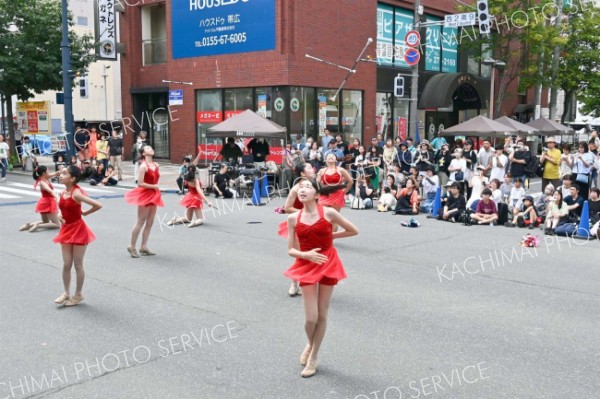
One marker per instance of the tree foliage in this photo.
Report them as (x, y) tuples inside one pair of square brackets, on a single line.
[(30, 49)]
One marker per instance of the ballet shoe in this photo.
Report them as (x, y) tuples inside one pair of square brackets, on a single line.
[(146, 252), (132, 251), (74, 300), (294, 288), (64, 297), (196, 223), (26, 226), (171, 222), (305, 354), (310, 369), (33, 228)]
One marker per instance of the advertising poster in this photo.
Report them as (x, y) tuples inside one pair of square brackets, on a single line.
[(322, 114), (33, 117), (106, 29)]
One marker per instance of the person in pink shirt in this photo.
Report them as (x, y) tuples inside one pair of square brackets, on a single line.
[(487, 212)]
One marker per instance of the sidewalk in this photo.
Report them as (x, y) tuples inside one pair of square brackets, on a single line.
[(167, 182)]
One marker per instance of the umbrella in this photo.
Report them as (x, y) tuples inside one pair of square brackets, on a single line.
[(247, 124), (547, 127), (521, 127), (480, 126)]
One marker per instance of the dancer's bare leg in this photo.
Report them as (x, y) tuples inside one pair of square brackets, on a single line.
[(142, 216), (324, 299), (67, 255), (78, 254), (49, 221), (148, 227)]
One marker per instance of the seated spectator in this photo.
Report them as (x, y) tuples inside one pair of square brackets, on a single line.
[(364, 192), (496, 192), (486, 212), (505, 188), (477, 182), (387, 200), (594, 205), (98, 175), (221, 183), (541, 204), (182, 171), (431, 183), (574, 202), (455, 204), (557, 212), (112, 177), (527, 217), (408, 199), (567, 183), (517, 193)]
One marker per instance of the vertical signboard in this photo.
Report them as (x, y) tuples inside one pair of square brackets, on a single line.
[(385, 34), (322, 114), (34, 117), (433, 46), (404, 24), (106, 29), (214, 27), (450, 50), (262, 105)]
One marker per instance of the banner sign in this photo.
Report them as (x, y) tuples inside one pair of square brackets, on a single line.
[(322, 114), (214, 27), (210, 151), (209, 116), (34, 117), (106, 29)]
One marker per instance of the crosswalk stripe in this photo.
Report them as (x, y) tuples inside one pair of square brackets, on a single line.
[(22, 192), (8, 196), (59, 187)]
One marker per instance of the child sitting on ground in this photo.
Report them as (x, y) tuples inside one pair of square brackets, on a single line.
[(527, 215)]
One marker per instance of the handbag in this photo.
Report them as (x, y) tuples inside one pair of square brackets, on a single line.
[(583, 178), (357, 203), (459, 176)]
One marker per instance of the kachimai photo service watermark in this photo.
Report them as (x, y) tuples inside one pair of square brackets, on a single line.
[(499, 258), (434, 384), (64, 375)]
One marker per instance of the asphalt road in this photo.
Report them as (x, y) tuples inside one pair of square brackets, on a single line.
[(209, 315)]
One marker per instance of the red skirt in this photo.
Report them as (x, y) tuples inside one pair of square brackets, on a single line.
[(282, 230), (76, 233), (144, 197), (334, 199), (306, 272), (46, 205), (191, 201)]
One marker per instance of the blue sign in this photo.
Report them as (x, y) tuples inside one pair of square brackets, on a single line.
[(433, 45), (212, 27), (175, 97), (449, 50)]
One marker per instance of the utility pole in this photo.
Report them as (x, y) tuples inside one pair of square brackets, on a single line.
[(555, 65), (105, 75), (67, 82), (414, 81)]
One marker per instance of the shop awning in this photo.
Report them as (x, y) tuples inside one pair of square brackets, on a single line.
[(442, 89), (247, 124)]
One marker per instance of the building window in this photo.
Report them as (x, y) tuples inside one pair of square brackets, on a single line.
[(302, 112), (351, 121), (209, 108), (154, 35), (237, 101), (329, 115), (82, 21)]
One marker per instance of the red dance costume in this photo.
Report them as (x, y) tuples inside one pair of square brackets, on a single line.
[(336, 197), (46, 204), (317, 235), (141, 196), (74, 230), (192, 199), (282, 231)]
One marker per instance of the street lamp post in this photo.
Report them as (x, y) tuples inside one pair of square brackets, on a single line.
[(67, 84), (105, 75), (494, 64)]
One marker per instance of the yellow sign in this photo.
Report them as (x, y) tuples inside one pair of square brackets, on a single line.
[(34, 117)]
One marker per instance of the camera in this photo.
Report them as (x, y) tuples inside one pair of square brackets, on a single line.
[(386, 190), (545, 149)]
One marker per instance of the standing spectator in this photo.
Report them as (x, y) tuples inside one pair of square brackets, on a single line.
[(325, 141), (551, 159), (341, 145), (18, 138), (333, 149), (290, 158), (102, 150), (259, 149), (485, 156), (82, 142), (557, 210), (93, 152), (519, 158), (443, 158), (375, 144), (360, 162), (430, 185), (424, 157), (438, 142), (458, 167), (477, 183), (405, 158), (115, 150), (380, 141), (231, 152), (411, 147), (315, 155), (306, 149), (498, 162), (566, 161), (582, 168), (373, 169), (470, 156), (4, 152), (135, 153), (593, 148), (299, 145), (390, 154), (486, 212), (27, 153)]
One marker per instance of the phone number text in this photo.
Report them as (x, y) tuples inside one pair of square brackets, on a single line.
[(209, 41)]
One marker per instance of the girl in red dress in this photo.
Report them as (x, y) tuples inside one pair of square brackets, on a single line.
[(293, 205), (192, 201), (147, 197), (74, 235), (47, 205), (317, 267), (333, 176)]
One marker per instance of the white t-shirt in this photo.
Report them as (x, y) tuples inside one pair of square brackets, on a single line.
[(498, 172), (3, 150), (457, 163), (516, 196)]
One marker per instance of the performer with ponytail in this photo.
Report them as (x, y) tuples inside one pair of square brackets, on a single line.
[(192, 201), (335, 179), (47, 205), (146, 196), (74, 234), (317, 267)]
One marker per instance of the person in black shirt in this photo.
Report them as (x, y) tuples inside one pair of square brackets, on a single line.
[(442, 160), (455, 204), (594, 205), (221, 183), (115, 151), (259, 149), (574, 202), (231, 151), (518, 160)]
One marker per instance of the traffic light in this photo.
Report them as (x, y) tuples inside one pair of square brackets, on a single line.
[(483, 13), (399, 86), (83, 87)]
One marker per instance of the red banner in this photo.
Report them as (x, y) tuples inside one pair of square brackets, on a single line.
[(231, 114), (208, 117), (402, 128), (210, 151)]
